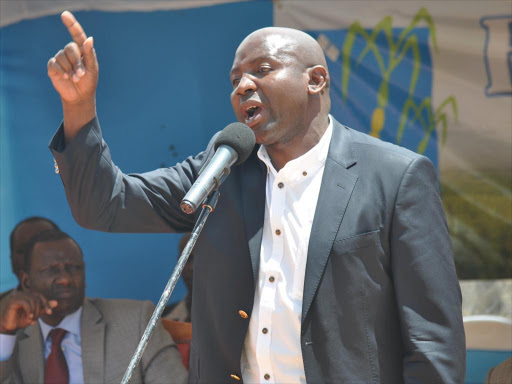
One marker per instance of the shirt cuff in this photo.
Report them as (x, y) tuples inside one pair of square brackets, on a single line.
[(7, 343)]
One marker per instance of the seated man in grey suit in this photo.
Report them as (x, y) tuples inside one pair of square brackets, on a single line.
[(18, 240), (327, 259), (51, 333)]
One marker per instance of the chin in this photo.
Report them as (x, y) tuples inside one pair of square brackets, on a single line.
[(264, 134), (68, 308), (64, 311)]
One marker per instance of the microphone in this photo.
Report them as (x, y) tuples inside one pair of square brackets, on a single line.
[(232, 147)]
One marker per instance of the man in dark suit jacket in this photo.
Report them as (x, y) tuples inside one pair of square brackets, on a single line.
[(379, 300)]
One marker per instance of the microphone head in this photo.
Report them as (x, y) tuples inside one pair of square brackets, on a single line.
[(239, 137)]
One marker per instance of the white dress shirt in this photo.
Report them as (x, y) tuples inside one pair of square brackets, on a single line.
[(272, 351), (71, 344)]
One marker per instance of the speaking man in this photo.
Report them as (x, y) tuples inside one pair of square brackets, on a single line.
[(328, 257), (51, 333)]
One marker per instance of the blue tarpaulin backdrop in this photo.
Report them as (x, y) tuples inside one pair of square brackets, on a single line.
[(163, 92)]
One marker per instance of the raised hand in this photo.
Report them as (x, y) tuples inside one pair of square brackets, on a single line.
[(74, 74), (23, 308), (74, 69)]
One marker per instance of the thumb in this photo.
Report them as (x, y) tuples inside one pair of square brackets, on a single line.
[(89, 54)]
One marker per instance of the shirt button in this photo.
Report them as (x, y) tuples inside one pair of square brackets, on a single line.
[(304, 173), (278, 232), (264, 330), (280, 185), (267, 376), (271, 279), (243, 314), (235, 377)]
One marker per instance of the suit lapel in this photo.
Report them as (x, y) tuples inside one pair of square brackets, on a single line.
[(93, 343), (335, 192), (253, 196), (31, 351)]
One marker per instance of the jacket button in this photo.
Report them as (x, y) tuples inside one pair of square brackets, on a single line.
[(267, 376), (235, 377), (243, 314)]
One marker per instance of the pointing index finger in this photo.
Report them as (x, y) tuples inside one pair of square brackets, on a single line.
[(75, 29)]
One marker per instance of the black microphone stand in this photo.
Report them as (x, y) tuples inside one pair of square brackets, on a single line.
[(208, 207)]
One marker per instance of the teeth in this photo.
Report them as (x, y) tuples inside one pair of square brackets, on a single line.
[(251, 111)]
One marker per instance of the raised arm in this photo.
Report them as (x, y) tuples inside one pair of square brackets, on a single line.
[(100, 195), (74, 74)]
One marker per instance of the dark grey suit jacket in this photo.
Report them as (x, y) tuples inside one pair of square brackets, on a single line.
[(381, 300), (110, 332)]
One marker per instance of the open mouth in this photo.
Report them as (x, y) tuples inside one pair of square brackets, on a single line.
[(251, 111), (252, 114)]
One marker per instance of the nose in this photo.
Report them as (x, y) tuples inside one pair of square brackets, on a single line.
[(246, 85), (63, 277)]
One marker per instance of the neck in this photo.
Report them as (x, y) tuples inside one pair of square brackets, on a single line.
[(280, 154), (52, 320)]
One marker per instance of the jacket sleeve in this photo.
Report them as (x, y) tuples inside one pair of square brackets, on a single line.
[(103, 198), (161, 361), (9, 370), (426, 285)]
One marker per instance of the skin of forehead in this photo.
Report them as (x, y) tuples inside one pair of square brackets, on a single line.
[(281, 42), (53, 251)]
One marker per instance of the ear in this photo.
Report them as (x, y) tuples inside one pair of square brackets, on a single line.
[(24, 281), (318, 79)]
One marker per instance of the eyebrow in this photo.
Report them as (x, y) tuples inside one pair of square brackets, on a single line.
[(255, 60)]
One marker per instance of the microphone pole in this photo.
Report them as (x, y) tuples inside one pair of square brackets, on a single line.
[(208, 207)]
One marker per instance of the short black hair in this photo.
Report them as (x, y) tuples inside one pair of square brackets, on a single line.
[(30, 219), (44, 237)]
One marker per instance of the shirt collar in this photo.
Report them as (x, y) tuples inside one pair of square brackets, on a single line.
[(309, 161), (70, 323)]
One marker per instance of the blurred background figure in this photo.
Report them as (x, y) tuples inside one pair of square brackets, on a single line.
[(50, 332), (501, 374), (182, 310), (18, 240)]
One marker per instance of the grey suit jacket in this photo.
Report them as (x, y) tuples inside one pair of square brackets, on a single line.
[(110, 333), (381, 300)]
